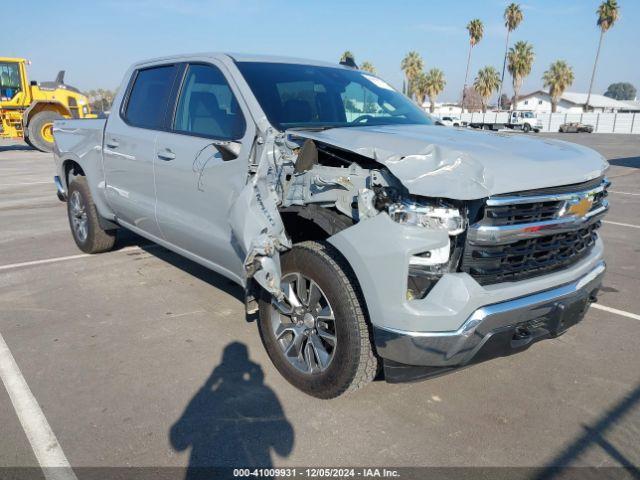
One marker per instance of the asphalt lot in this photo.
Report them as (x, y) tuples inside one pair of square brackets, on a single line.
[(119, 350)]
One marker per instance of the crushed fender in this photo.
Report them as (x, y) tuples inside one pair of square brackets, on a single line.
[(256, 223)]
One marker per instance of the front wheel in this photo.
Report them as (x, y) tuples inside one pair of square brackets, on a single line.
[(526, 128), (83, 219), (318, 336)]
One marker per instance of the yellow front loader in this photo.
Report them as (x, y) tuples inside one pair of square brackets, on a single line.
[(28, 109)]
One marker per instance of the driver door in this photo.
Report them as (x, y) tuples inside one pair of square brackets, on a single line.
[(197, 180)]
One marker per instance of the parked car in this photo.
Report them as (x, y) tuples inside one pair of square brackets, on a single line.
[(575, 127), (452, 121), (364, 236)]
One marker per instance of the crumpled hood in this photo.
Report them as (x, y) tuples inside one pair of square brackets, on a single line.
[(462, 164)]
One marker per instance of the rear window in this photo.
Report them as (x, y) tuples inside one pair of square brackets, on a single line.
[(149, 97)]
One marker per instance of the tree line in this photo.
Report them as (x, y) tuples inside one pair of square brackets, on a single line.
[(518, 61), (100, 99)]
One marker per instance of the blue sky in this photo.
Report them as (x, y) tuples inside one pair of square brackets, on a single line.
[(95, 41)]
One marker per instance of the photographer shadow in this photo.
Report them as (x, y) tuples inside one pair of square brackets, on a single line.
[(234, 420)]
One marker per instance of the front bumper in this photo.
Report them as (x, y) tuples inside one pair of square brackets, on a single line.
[(490, 331)]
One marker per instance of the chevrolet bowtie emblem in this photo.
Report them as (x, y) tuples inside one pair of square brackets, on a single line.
[(580, 207)]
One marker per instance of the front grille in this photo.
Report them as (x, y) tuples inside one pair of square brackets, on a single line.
[(513, 237), (528, 258), (539, 211), (524, 213)]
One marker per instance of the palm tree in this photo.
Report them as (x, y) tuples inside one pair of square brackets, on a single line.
[(512, 18), (420, 87), (487, 82), (476, 30), (558, 78), (434, 85), (347, 54), (368, 67), (608, 13), (520, 59), (412, 64)]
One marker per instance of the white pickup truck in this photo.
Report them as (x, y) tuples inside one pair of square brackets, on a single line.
[(364, 235)]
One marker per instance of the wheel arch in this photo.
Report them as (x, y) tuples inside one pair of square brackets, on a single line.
[(94, 180), (41, 106)]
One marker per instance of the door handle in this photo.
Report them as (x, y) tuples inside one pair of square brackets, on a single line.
[(113, 143), (166, 154)]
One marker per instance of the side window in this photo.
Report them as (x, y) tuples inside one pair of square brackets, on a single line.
[(207, 106), (9, 80), (149, 96)]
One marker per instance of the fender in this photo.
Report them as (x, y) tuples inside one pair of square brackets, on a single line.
[(41, 105)]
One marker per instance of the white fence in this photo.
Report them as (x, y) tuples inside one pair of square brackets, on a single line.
[(601, 122)]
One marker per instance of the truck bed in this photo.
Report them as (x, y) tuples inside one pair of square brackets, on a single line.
[(78, 136)]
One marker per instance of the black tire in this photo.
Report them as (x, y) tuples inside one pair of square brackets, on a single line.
[(28, 142), (96, 239), (526, 128), (36, 124), (354, 363)]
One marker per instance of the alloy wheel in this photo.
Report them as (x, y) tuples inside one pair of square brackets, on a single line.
[(303, 324), (78, 216)]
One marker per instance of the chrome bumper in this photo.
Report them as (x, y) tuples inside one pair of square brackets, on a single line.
[(494, 330)]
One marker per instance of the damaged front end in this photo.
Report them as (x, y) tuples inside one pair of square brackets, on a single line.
[(335, 189)]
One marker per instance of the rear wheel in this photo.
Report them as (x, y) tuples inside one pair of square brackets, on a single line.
[(41, 130), (317, 336), (83, 219)]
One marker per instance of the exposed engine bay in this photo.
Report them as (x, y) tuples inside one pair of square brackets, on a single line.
[(334, 188)]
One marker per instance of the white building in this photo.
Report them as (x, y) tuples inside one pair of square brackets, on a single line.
[(570, 102), (632, 106), (444, 109)]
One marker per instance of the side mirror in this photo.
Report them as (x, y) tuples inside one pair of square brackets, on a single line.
[(228, 150), (33, 83)]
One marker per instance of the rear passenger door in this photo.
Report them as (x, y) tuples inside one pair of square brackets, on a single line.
[(129, 147), (197, 180)]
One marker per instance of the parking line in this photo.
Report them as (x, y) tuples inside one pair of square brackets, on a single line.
[(61, 259), (621, 224), (45, 446), (616, 311), (624, 193)]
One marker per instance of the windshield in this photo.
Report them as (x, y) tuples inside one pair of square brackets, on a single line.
[(308, 96), (9, 80)]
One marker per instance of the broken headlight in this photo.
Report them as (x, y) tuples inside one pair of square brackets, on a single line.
[(435, 215)]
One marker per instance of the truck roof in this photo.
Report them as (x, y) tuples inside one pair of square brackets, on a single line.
[(242, 57), (12, 59)]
